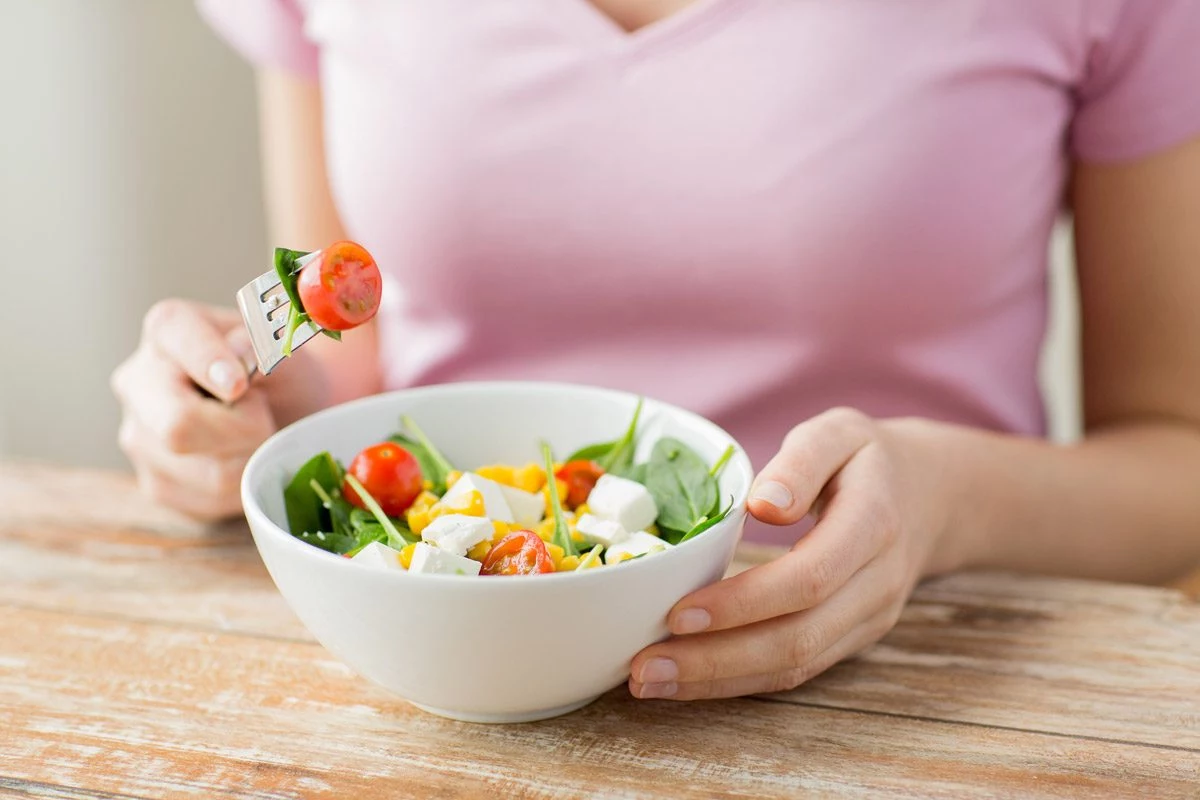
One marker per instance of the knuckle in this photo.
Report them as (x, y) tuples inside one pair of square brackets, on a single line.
[(159, 315), (848, 421), (788, 679), (176, 430), (815, 580), (805, 644), (127, 437)]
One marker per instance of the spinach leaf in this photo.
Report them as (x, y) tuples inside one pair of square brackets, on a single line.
[(707, 522), (306, 512), (562, 533), (614, 455), (395, 538), (634, 472), (434, 466), (332, 542), (721, 462), (683, 489), (620, 457), (287, 267)]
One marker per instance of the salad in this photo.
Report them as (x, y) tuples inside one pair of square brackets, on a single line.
[(336, 288), (400, 504)]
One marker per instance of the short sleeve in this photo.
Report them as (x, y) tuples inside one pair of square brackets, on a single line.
[(267, 33), (1141, 89)]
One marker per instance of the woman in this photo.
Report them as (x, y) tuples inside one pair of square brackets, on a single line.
[(771, 212)]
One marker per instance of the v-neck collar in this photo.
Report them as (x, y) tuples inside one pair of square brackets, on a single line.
[(678, 24)]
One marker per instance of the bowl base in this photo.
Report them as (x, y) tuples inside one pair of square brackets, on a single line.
[(503, 719)]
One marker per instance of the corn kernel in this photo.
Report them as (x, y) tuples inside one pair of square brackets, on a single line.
[(530, 478), (452, 477), (545, 529), (568, 564), (556, 554), (418, 519), (582, 509), (502, 529), (427, 485), (479, 552), (500, 473), (472, 508), (406, 555)]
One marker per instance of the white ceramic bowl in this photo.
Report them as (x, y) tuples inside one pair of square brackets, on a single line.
[(488, 649)]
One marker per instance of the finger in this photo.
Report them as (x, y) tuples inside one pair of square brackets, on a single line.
[(772, 646), (167, 492), (857, 527), (859, 638), (205, 476), (812, 453), (194, 338), (162, 400)]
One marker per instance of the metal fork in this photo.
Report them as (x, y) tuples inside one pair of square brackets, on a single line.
[(265, 306)]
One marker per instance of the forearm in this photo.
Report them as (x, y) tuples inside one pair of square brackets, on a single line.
[(1123, 504)]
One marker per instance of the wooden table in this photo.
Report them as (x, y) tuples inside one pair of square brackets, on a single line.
[(144, 656)]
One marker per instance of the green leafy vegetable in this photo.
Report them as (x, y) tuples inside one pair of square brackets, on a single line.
[(562, 534), (395, 538), (615, 456), (434, 466), (721, 462), (682, 486), (331, 542), (306, 511), (707, 522), (287, 267)]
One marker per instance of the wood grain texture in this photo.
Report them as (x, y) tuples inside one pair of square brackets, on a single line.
[(142, 655)]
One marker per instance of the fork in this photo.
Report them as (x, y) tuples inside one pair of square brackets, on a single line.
[(264, 305)]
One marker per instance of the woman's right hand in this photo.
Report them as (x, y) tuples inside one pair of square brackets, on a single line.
[(188, 449)]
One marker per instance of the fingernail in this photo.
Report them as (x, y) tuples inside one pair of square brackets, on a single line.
[(691, 620), (223, 375), (652, 690), (659, 670), (773, 492)]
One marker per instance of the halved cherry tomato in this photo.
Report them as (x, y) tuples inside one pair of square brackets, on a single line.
[(581, 477), (390, 474), (519, 553), (340, 289)]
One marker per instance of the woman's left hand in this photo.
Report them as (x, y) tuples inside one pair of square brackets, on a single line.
[(881, 506)]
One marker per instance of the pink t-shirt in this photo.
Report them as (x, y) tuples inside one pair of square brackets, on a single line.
[(756, 209)]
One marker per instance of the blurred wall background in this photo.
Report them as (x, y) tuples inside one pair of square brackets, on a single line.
[(129, 172)]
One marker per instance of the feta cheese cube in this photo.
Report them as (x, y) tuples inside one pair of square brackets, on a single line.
[(624, 501), (378, 555), (494, 504), (639, 543), (601, 531), (527, 508), (433, 560), (458, 533)]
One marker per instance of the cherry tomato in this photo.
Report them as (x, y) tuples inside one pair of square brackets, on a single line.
[(390, 474), (519, 553), (581, 477), (340, 289)]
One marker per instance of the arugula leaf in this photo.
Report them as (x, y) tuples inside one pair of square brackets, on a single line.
[(306, 512), (707, 522), (395, 538), (683, 489), (562, 534)]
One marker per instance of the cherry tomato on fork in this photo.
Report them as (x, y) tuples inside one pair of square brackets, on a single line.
[(519, 553), (390, 474), (580, 477), (340, 289)]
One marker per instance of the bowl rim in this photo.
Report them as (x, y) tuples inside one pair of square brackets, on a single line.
[(262, 524)]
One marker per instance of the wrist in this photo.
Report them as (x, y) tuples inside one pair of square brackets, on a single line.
[(947, 514)]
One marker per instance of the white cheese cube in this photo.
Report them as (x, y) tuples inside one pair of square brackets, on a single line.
[(638, 544), (494, 504), (624, 501), (458, 533), (378, 555), (429, 559), (527, 508), (601, 531)]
